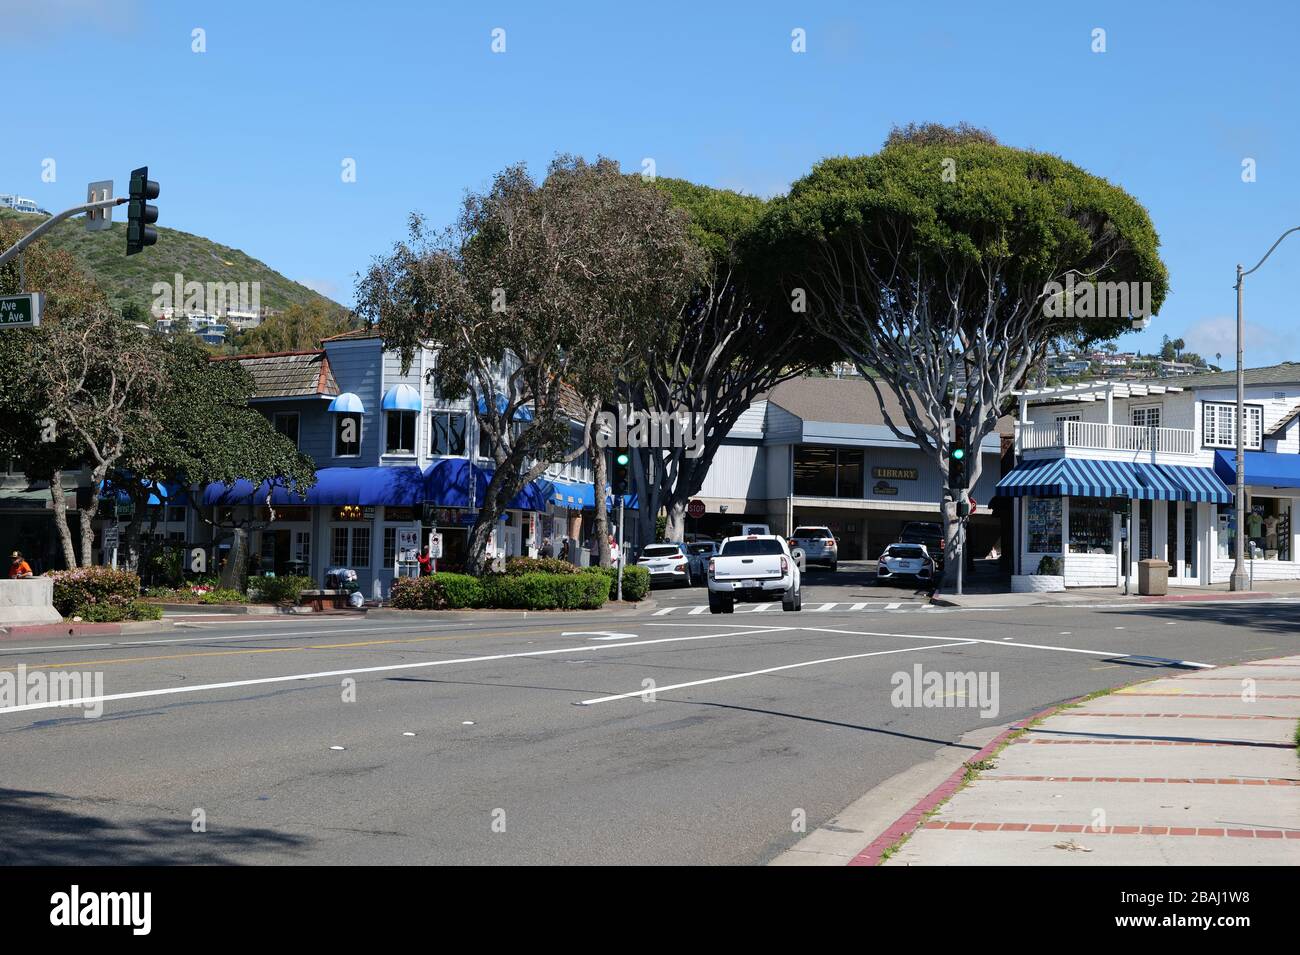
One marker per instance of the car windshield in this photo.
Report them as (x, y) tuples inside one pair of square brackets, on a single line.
[(906, 550), (811, 532), (661, 550), (751, 548), (700, 548)]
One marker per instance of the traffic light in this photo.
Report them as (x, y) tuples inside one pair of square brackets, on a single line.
[(619, 475), (140, 216), (957, 459)]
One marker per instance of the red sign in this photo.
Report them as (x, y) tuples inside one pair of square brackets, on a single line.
[(974, 505), (695, 509)]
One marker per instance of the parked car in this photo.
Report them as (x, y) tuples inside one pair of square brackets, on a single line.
[(929, 534), (818, 545), (667, 563), (699, 554), (905, 560), (754, 568)]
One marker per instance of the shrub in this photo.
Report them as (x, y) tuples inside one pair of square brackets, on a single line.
[(538, 565), (77, 590), (279, 590), (436, 592), (636, 581), (222, 595), (580, 591), (112, 613)]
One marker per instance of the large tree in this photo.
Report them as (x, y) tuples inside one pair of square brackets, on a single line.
[(732, 340), (297, 328), (535, 288), (201, 431), (938, 264)]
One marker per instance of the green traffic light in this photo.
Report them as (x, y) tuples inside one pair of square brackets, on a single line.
[(959, 453), (622, 459)]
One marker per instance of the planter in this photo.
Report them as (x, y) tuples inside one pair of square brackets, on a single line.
[(1036, 583)]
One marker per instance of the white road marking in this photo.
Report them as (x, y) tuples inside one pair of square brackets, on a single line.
[(857, 606), (698, 610), (740, 676), (759, 608), (1003, 643), (377, 628), (660, 613), (893, 606), (823, 607), (330, 674), (599, 634)]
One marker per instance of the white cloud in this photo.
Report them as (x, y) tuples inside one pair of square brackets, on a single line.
[(1218, 335), (325, 287)]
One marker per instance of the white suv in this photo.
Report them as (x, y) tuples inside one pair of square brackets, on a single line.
[(818, 545)]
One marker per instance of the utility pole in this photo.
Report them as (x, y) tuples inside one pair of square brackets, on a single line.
[(1240, 580), (54, 220)]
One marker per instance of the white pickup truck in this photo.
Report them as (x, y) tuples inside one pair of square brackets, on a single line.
[(754, 568)]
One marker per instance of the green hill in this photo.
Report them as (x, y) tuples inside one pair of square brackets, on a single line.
[(103, 256)]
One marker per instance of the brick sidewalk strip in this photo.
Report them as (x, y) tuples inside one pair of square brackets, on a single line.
[(1229, 781)]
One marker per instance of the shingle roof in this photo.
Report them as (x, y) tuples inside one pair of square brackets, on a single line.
[(289, 374), (1286, 373), (842, 400)]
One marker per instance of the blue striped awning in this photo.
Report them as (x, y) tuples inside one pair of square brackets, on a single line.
[(1080, 477)]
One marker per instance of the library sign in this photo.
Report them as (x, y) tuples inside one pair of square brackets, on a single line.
[(21, 311), (882, 477)]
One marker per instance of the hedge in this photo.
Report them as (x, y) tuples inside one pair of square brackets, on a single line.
[(111, 613), (279, 590), (636, 581), (516, 566), (523, 591), (438, 591), (77, 591)]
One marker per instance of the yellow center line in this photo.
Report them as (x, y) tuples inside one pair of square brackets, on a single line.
[(225, 653)]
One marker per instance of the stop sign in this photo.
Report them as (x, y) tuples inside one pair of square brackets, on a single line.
[(974, 505), (695, 509)]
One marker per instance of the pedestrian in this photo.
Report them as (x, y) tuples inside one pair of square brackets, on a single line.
[(19, 569), (564, 550), (613, 550), (425, 561)]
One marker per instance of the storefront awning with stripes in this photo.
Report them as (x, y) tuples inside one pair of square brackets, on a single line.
[(1082, 477)]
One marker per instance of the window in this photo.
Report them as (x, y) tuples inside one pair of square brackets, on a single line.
[(1218, 425), (1043, 525), (286, 423), (828, 472), (390, 546), (357, 555), (1147, 416), (176, 512), (399, 432), (447, 433), (1092, 525), (347, 436)]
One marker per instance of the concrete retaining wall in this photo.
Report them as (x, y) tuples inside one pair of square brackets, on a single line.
[(27, 601)]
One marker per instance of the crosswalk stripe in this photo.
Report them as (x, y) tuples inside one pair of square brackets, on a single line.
[(695, 610), (825, 607), (866, 606)]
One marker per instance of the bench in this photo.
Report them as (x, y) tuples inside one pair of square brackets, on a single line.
[(321, 599)]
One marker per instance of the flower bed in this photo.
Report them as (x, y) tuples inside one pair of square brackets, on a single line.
[(100, 595)]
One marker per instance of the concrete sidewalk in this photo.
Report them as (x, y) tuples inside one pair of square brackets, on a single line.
[(1197, 769), (1084, 596)]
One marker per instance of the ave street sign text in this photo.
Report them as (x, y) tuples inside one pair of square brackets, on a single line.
[(21, 311)]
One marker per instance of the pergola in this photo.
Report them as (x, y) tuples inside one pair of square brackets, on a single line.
[(1088, 391)]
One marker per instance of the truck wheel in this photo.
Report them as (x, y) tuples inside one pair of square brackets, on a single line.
[(834, 566), (719, 604), (790, 599)]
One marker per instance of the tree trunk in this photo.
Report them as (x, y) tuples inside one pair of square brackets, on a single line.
[(676, 526), (602, 515), (232, 574), (60, 503), (88, 530), (476, 561)]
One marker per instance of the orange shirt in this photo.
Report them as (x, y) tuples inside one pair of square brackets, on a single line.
[(20, 569)]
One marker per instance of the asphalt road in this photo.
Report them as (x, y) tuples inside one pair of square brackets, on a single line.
[(465, 742)]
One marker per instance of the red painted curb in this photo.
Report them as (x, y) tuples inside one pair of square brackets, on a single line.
[(61, 630), (910, 820)]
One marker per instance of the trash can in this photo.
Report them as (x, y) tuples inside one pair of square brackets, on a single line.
[(1153, 577)]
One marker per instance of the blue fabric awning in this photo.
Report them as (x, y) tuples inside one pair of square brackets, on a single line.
[(522, 413), (401, 398), (167, 492), (346, 403), (449, 486), (401, 486), (1263, 468), (1080, 477)]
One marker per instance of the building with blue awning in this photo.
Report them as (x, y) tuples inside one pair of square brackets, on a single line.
[(393, 456), (1108, 473)]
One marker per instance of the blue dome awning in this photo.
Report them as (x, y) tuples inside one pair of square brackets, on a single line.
[(346, 403), (522, 413), (401, 398)]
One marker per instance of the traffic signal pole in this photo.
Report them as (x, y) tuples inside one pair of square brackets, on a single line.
[(54, 220), (620, 548)]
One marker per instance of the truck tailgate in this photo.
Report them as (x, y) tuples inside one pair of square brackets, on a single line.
[(758, 567)]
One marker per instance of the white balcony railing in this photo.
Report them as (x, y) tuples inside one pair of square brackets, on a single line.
[(1107, 437)]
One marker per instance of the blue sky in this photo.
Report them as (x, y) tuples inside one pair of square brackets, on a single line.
[(249, 137)]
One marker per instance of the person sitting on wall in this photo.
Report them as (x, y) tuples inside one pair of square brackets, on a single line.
[(19, 569)]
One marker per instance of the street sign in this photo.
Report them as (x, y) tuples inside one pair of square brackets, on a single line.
[(435, 545), (695, 509), (21, 311), (408, 543), (974, 505), (97, 220)]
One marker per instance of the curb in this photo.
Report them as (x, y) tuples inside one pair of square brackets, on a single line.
[(911, 820), (70, 629), (384, 613), (262, 610), (1136, 599)]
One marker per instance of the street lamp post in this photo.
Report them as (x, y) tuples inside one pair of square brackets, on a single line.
[(1240, 580)]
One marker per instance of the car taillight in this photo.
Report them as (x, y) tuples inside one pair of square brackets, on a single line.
[(711, 568), (680, 567), (785, 567)]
